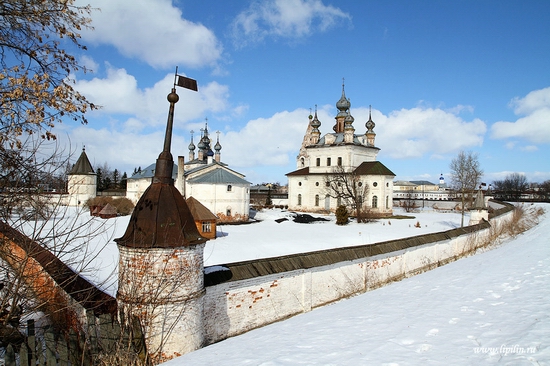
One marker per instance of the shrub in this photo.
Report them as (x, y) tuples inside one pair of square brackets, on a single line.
[(342, 215), (123, 205)]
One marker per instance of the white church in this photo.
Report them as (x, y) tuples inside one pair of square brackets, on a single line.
[(343, 149), (225, 192)]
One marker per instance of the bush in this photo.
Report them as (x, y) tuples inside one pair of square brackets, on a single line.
[(342, 215), (123, 205)]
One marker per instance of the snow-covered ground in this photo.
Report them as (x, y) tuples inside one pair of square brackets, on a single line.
[(491, 308), (93, 252)]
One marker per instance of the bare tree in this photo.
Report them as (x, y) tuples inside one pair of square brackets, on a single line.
[(512, 187), (466, 176), (409, 202), (36, 94), (36, 89), (347, 187)]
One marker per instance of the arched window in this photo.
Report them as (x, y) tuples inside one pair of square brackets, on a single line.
[(229, 188), (316, 200), (228, 212), (387, 202), (303, 162), (299, 200), (374, 201)]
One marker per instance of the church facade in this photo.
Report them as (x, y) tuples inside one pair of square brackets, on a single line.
[(225, 192), (342, 152)]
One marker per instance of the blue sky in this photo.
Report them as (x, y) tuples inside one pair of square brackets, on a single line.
[(441, 76)]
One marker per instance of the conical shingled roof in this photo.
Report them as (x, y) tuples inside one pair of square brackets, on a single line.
[(161, 218), (82, 165)]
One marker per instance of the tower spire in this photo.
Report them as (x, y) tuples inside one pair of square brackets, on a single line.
[(165, 161)]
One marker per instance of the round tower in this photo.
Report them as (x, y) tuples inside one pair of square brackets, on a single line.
[(161, 270), (82, 181)]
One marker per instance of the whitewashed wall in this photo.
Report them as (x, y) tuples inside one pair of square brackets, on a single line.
[(235, 307)]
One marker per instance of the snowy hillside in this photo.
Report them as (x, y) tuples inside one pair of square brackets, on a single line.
[(492, 308)]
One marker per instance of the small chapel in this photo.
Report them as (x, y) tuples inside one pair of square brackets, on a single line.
[(343, 150), (223, 191)]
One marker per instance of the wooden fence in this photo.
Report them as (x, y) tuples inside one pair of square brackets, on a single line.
[(104, 342)]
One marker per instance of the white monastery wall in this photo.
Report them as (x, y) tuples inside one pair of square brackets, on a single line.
[(234, 307)]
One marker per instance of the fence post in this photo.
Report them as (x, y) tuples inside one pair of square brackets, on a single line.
[(50, 347), (76, 353), (31, 341), (10, 356), (24, 355)]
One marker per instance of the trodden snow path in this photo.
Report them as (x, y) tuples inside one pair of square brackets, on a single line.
[(491, 308)]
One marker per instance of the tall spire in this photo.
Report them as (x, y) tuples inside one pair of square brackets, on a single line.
[(161, 218), (165, 161)]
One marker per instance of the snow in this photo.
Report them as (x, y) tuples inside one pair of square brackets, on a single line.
[(268, 238), (491, 308), (486, 309), (90, 248)]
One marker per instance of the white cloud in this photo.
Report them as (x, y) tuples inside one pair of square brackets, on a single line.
[(417, 132), (267, 141), (289, 19), (121, 149), (534, 126), (535, 100), (154, 32), (118, 93), (407, 133)]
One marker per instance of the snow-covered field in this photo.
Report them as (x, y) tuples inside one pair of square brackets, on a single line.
[(492, 308)]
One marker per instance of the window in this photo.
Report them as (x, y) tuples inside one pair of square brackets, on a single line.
[(318, 162), (299, 200), (299, 184), (360, 184), (302, 162), (375, 184), (229, 188), (328, 161), (206, 227), (339, 161), (387, 202), (316, 184), (316, 200), (374, 201), (228, 212)]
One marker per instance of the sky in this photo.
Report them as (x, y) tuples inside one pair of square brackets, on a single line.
[(441, 77)]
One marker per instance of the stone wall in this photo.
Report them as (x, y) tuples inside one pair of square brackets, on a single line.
[(269, 290)]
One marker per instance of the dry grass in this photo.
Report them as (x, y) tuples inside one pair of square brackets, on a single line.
[(523, 218)]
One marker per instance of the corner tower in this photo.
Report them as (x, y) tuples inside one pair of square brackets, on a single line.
[(82, 181), (161, 277)]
